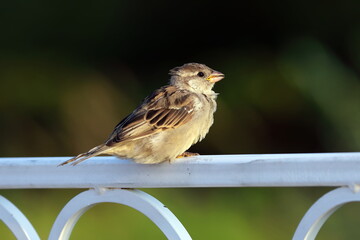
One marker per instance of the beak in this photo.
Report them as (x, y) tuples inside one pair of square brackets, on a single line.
[(215, 76)]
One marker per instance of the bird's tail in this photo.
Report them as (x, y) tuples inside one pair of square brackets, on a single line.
[(83, 156)]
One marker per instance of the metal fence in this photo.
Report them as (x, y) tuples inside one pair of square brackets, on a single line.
[(111, 180)]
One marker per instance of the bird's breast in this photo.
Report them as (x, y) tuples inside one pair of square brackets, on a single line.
[(204, 117)]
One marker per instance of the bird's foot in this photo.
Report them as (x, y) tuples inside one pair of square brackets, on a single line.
[(187, 154)]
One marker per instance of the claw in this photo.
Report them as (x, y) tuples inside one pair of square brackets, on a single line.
[(187, 154)]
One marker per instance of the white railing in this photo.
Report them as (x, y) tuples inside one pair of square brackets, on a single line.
[(111, 180)]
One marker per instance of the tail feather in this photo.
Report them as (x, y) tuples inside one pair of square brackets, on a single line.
[(83, 156)]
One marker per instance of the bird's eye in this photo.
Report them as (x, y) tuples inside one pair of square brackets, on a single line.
[(201, 74)]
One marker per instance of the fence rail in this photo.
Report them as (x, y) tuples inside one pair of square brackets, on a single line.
[(103, 174)]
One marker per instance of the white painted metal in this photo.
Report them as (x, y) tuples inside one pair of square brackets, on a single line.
[(136, 199), (317, 215), (270, 170), (18, 224)]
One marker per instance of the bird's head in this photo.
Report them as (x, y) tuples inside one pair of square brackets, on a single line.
[(195, 77)]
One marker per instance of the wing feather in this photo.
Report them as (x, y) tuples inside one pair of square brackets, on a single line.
[(167, 108)]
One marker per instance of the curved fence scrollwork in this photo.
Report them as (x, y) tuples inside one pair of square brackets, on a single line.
[(16, 221), (69, 215)]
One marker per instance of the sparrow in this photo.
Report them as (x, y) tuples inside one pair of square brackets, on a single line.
[(168, 122)]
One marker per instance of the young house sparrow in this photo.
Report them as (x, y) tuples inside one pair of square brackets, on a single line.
[(167, 122)]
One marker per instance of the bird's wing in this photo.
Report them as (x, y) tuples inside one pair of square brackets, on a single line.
[(167, 108)]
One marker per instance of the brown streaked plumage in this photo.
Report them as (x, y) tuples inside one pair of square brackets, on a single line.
[(167, 122)]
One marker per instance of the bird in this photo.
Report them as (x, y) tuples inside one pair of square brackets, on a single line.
[(167, 122)]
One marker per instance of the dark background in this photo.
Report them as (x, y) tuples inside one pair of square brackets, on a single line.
[(71, 70)]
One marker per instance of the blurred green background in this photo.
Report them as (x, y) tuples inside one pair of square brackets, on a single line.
[(71, 70)]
